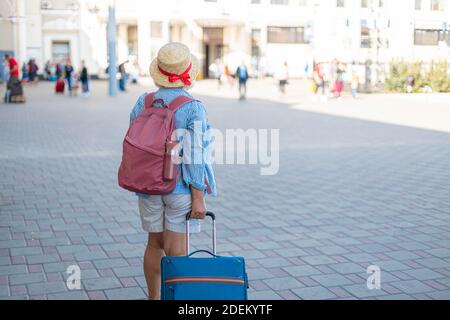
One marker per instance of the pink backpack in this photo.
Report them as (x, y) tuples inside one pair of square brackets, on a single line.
[(144, 147)]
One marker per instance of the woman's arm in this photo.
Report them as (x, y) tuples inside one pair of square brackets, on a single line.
[(198, 204), (194, 158)]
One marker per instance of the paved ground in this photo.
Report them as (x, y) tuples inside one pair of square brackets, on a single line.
[(350, 193)]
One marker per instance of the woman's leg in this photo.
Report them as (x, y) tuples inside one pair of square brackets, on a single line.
[(152, 264), (151, 210), (160, 244), (176, 208), (174, 243)]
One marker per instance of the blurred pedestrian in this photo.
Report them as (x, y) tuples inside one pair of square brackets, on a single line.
[(32, 71), (13, 69), (75, 83), (59, 70), (228, 76), (306, 70), (24, 72), (319, 81), (14, 90), (84, 78), (283, 76), (339, 82), (242, 75), (220, 70), (332, 76), (354, 84), (216, 73), (123, 76), (47, 70), (313, 88), (5, 70), (133, 74), (53, 72), (410, 81), (68, 74)]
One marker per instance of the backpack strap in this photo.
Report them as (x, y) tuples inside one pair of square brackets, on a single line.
[(178, 102), (148, 100)]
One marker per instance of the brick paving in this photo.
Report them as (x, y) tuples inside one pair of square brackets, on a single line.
[(350, 193)]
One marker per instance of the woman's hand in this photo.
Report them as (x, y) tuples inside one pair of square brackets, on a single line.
[(198, 204)]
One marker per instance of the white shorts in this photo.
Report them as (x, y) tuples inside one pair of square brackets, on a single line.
[(168, 212)]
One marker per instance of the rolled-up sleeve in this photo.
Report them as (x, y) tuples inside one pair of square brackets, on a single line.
[(194, 151)]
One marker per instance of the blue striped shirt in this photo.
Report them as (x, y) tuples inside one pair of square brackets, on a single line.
[(199, 173)]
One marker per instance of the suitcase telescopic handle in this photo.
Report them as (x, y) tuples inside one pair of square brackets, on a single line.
[(213, 218)]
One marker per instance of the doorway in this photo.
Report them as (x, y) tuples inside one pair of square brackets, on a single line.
[(212, 48), (60, 51)]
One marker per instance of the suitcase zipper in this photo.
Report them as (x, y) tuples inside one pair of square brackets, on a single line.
[(205, 279)]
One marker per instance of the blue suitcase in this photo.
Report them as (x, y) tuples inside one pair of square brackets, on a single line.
[(203, 278)]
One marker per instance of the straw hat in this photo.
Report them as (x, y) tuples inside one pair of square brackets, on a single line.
[(174, 66)]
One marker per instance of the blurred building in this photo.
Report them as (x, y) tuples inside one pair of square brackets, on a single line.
[(263, 33)]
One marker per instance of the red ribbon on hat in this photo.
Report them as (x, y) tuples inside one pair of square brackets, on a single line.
[(184, 77)]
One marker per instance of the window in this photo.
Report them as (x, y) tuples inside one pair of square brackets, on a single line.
[(60, 51), (340, 3), (256, 37), (132, 40), (364, 3), (156, 29), (430, 37), (256, 1), (212, 35), (279, 2), (445, 36), (58, 5), (365, 34), (437, 5), (286, 35), (418, 5), (256, 42), (426, 37)]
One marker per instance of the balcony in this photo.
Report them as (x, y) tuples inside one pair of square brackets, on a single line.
[(59, 7)]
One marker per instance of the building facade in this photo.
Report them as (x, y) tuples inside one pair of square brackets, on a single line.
[(263, 33)]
